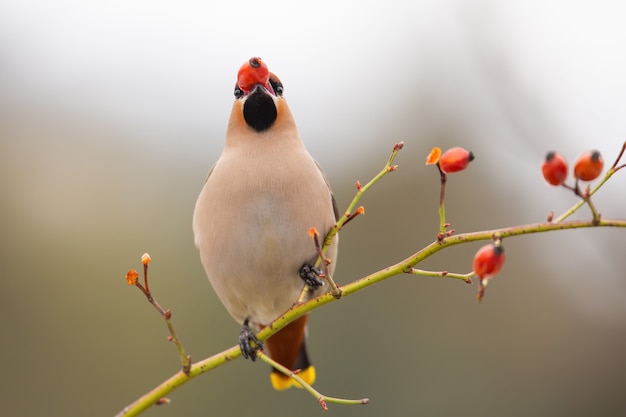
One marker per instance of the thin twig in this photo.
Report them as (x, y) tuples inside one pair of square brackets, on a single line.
[(321, 398), (325, 262), (166, 314), (441, 274), (389, 167), (350, 214), (614, 167)]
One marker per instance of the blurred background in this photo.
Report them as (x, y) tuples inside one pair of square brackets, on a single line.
[(111, 114)]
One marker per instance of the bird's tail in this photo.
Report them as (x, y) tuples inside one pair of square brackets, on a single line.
[(288, 347)]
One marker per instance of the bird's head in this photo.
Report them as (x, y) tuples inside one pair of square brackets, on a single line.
[(259, 93)]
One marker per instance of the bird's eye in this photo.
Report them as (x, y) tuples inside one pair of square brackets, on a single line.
[(238, 92), (277, 86)]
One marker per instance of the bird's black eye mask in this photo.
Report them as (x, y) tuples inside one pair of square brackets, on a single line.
[(238, 92), (277, 86)]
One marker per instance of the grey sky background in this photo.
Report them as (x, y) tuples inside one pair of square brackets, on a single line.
[(111, 114)]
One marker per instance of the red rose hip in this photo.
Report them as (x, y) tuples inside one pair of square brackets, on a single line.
[(588, 166), (488, 261), (455, 160), (554, 168)]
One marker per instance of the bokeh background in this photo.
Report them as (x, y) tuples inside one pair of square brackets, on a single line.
[(112, 112)]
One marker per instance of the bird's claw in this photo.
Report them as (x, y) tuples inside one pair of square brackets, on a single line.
[(311, 276), (246, 340)]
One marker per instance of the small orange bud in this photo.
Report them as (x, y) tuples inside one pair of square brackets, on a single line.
[(588, 166), (360, 210), (132, 277), (554, 168), (433, 156), (313, 232), (455, 160), (488, 261), (252, 72), (145, 259)]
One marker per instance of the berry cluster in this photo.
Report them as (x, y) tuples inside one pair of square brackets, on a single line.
[(587, 167)]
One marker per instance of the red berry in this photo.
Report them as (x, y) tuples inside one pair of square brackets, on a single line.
[(588, 166), (251, 73), (488, 261), (455, 160), (554, 168)]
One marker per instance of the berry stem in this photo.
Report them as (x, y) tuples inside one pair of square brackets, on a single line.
[(586, 198), (442, 209), (619, 156)]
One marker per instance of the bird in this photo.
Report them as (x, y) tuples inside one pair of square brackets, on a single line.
[(252, 219)]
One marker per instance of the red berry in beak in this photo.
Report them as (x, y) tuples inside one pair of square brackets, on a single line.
[(251, 73)]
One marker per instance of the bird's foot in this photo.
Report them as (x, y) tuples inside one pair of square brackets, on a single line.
[(246, 340), (311, 276)]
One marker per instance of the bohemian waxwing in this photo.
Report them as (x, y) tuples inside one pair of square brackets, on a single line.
[(252, 219)]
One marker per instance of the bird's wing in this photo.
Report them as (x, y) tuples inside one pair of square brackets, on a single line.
[(332, 197)]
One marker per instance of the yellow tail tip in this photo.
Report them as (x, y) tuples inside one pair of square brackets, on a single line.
[(281, 382)]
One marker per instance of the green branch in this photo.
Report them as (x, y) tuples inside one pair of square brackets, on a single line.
[(157, 395), (296, 311)]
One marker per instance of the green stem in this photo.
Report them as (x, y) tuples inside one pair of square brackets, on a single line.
[(321, 398), (184, 358), (442, 209), (441, 274)]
